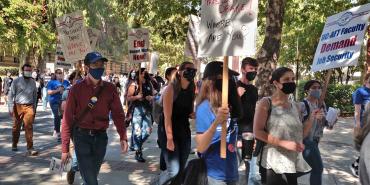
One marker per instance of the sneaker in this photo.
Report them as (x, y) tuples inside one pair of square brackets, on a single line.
[(14, 149), (139, 157), (32, 152), (70, 177), (354, 170)]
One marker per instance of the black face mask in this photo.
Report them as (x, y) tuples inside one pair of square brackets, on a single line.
[(289, 87), (146, 76), (251, 75), (189, 74), (218, 84)]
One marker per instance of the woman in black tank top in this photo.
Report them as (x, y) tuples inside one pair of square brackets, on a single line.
[(174, 129)]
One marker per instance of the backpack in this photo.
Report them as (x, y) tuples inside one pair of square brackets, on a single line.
[(158, 105), (307, 110)]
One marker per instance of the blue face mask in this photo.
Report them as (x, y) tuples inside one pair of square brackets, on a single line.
[(97, 73), (315, 93)]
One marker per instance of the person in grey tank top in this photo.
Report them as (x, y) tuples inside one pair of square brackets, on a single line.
[(283, 131)]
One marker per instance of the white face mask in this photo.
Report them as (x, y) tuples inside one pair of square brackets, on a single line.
[(34, 75), (27, 74)]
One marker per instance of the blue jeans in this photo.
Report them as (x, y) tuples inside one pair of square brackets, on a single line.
[(90, 152), (45, 98), (55, 110), (312, 156), (74, 166), (141, 126), (175, 161)]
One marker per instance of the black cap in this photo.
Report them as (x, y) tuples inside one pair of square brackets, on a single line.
[(214, 69)]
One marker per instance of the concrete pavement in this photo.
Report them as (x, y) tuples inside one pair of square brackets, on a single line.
[(17, 168)]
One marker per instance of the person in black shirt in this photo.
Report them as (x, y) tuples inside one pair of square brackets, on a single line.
[(142, 117), (249, 97), (174, 128)]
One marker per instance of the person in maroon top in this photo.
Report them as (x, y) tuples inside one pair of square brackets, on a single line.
[(89, 134)]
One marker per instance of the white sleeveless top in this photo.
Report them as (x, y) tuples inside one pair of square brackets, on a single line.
[(284, 124)]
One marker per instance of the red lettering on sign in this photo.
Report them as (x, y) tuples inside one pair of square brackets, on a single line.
[(139, 43)]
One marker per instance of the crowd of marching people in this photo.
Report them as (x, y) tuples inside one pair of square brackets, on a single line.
[(275, 134)]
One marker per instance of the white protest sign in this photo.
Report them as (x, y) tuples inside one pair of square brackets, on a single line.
[(154, 59), (228, 28), (57, 167), (192, 39), (60, 61), (341, 40), (138, 45), (73, 36), (94, 35)]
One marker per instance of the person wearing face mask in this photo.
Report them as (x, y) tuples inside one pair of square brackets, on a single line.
[(210, 115), (8, 80), (22, 107), (141, 111), (311, 152), (55, 90), (277, 123), (249, 96), (174, 128), (86, 119)]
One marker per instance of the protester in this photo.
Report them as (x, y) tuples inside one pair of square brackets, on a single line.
[(55, 91), (22, 107), (8, 80), (142, 108), (362, 141), (249, 96), (209, 118), (169, 74), (174, 128), (118, 85), (311, 151), (46, 77), (86, 119), (360, 98), (74, 78), (277, 122)]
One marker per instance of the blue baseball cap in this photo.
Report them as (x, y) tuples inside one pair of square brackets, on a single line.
[(93, 57)]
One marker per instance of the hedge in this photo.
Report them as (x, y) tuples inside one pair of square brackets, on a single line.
[(13, 70), (339, 96)]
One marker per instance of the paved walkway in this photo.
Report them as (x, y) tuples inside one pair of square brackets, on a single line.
[(18, 169)]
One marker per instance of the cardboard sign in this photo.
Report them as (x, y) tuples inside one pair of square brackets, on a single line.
[(228, 28), (94, 35), (340, 42), (73, 36), (192, 39), (60, 61), (138, 45), (57, 167)]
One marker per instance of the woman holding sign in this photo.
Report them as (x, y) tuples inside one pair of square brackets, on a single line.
[(277, 122), (209, 117)]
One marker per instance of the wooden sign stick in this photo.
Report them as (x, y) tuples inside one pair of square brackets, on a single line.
[(225, 94), (325, 87)]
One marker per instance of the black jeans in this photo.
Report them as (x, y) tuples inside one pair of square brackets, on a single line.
[(273, 178), (90, 151)]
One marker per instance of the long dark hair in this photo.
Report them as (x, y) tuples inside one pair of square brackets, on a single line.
[(176, 80)]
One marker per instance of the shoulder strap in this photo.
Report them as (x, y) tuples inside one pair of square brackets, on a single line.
[(90, 105), (269, 111), (307, 110)]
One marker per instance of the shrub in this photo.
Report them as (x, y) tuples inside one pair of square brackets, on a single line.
[(13, 70)]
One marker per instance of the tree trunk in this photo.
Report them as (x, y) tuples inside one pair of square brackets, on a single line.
[(268, 54)]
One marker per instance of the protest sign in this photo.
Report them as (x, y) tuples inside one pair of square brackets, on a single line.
[(154, 59), (341, 39), (192, 39), (138, 40), (60, 61), (94, 35), (73, 36), (228, 28)]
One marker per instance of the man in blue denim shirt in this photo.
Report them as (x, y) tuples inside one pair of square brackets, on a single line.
[(55, 91)]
